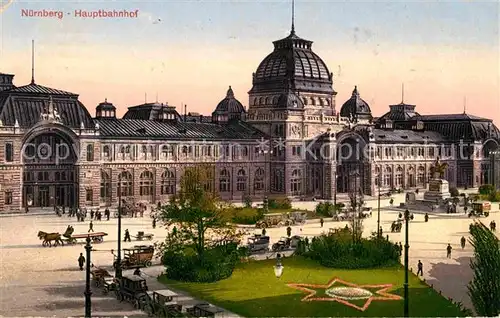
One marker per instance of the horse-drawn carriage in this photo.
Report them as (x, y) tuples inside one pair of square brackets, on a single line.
[(162, 303), (396, 226), (96, 237), (258, 243), (140, 255), (133, 289), (49, 237)]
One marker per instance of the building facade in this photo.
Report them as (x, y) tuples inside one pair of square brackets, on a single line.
[(291, 141)]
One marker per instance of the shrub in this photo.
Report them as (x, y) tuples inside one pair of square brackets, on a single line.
[(494, 197), (337, 250), (454, 192), (325, 209), (216, 264), (280, 203), (247, 215), (486, 189)]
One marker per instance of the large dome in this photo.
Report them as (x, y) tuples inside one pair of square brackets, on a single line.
[(356, 107), (230, 104), (293, 65)]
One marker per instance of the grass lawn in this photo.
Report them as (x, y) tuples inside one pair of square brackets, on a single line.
[(254, 291)]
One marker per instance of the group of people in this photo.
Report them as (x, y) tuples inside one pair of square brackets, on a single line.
[(81, 213)]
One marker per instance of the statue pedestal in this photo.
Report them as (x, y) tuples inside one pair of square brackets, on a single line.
[(439, 190)]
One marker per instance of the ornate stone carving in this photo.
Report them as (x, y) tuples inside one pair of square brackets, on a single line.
[(50, 113), (296, 131)]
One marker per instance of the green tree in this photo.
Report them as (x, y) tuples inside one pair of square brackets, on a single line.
[(484, 289), (201, 219)]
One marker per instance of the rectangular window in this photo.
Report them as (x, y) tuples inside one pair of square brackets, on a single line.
[(90, 152), (88, 194), (9, 152), (8, 197)]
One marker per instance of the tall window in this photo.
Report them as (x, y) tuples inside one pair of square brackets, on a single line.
[(9, 152), (105, 186), (241, 180), (224, 181), (421, 176), (127, 185), (89, 193), (317, 179), (146, 185), (90, 152), (168, 182), (388, 177), (399, 176), (167, 151), (259, 180), (8, 197), (296, 182), (377, 176), (106, 151), (278, 181)]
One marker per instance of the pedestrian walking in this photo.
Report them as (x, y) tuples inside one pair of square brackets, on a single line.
[(81, 261), (400, 249), (106, 212), (154, 223), (462, 242), (493, 226), (321, 221), (289, 231), (426, 217), (263, 232), (91, 226), (420, 270), (448, 250), (127, 236)]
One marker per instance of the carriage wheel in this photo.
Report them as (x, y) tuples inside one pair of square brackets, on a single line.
[(263, 225), (148, 263)]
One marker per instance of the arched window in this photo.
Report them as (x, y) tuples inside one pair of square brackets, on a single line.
[(377, 176), (126, 184), (275, 100), (241, 180), (421, 176), (224, 181), (313, 101), (9, 152), (146, 185), (256, 101), (296, 182), (90, 152), (258, 184), (305, 101), (105, 186), (106, 151), (261, 101), (388, 177), (244, 151), (321, 102), (399, 176), (267, 100), (168, 182), (278, 181)]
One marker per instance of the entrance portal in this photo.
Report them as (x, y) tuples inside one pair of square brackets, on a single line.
[(49, 172)]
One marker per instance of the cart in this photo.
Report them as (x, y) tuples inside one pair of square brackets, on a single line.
[(96, 237), (258, 243), (144, 236), (163, 303), (131, 288)]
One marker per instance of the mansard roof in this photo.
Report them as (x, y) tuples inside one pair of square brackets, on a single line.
[(39, 89), (141, 129)]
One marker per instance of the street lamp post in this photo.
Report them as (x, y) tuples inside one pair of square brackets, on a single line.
[(88, 292), (406, 304), (278, 268), (335, 192), (378, 206), (118, 269)]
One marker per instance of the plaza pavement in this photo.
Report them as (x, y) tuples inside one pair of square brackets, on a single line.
[(42, 281)]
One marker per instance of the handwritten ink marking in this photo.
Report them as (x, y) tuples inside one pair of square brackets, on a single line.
[(106, 14), (42, 13)]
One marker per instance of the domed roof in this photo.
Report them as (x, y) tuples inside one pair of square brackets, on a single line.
[(356, 107), (229, 104), (290, 100), (105, 105), (293, 65)]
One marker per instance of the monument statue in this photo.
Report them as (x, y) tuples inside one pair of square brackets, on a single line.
[(438, 187), (439, 169)]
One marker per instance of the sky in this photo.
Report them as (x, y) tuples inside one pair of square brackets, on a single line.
[(446, 53)]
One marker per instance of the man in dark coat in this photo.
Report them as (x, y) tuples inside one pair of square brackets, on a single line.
[(106, 212), (289, 231), (81, 261), (448, 250), (321, 221), (91, 226), (420, 270), (154, 223), (462, 242), (127, 236)]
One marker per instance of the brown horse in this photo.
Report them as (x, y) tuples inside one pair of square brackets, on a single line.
[(49, 237)]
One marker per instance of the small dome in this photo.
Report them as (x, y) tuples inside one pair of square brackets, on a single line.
[(229, 104), (105, 105), (356, 107), (290, 100)]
